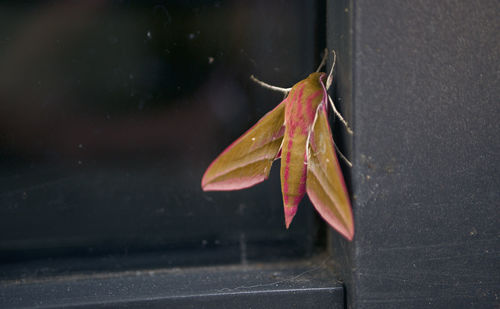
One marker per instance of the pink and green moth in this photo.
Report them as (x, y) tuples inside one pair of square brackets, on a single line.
[(297, 132)]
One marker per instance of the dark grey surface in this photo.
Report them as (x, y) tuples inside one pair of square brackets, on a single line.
[(425, 110), (109, 118), (110, 112), (301, 284)]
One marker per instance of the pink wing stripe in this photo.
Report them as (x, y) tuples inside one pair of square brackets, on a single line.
[(234, 184), (242, 164), (329, 216)]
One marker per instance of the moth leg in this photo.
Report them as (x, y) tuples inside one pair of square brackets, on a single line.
[(266, 85), (336, 112), (341, 155)]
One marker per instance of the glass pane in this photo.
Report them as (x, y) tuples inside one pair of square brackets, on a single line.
[(110, 111)]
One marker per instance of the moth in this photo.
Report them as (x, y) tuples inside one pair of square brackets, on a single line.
[(297, 132)]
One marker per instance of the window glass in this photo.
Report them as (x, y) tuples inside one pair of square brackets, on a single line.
[(110, 111)]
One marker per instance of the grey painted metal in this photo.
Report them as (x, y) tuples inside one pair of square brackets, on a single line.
[(306, 284), (421, 79)]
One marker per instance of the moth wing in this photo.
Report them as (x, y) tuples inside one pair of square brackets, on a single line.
[(325, 184), (247, 161)]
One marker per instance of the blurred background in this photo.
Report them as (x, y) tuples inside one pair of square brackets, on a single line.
[(110, 111)]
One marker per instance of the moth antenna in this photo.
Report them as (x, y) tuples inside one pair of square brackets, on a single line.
[(323, 61), (336, 112), (274, 88), (330, 75), (341, 155)]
